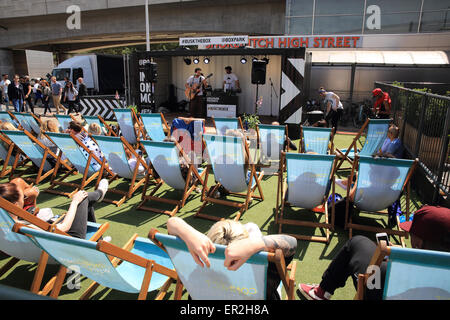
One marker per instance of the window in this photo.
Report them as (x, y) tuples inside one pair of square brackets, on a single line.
[(333, 7), (300, 7), (338, 24), (396, 23), (435, 21), (301, 26)]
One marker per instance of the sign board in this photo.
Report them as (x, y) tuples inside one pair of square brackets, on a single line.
[(221, 110), (225, 40), (146, 89), (271, 42)]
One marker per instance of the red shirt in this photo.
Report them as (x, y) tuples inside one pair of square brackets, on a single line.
[(379, 103)]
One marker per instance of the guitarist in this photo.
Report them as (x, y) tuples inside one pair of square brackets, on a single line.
[(196, 84)]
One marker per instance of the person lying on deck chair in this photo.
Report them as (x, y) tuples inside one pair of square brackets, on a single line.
[(429, 229), (242, 241), (81, 209)]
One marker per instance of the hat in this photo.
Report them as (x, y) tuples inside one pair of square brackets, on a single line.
[(377, 92), (429, 223)]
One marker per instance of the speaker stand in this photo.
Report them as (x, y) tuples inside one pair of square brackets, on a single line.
[(256, 100)]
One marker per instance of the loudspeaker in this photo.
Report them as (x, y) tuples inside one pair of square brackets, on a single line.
[(259, 72), (151, 72)]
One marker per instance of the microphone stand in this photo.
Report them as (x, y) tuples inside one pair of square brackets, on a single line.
[(272, 90)]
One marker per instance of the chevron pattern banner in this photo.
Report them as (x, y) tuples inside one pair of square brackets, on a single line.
[(292, 95), (100, 106)]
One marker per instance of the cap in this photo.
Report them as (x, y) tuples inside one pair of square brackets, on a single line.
[(430, 223), (377, 92), (322, 90)]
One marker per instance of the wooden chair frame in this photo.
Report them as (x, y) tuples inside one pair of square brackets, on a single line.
[(42, 264), (287, 273), (281, 196), (301, 143), (11, 146), (349, 221), (240, 125), (207, 194), (85, 180), (159, 183)]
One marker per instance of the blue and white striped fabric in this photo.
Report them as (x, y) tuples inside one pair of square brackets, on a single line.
[(29, 148), (125, 120), (63, 121), (83, 256), (223, 124), (308, 176), (72, 151), (316, 139), (272, 140), (414, 274), (114, 152), (154, 126), (380, 182), (226, 154), (217, 282), (164, 158)]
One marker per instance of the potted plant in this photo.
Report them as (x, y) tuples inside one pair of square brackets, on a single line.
[(250, 121)]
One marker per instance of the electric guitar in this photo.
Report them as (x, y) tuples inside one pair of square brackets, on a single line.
[(192, 91)]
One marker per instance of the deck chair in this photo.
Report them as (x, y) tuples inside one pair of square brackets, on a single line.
[(7, 155), (227, 159), (63, 121), (36, 152), (20, 247), (411, 274), (155, 126), (314, 139), (223, 124), (70, 146), (113, 149), (380, 183), (139, 267), (377, 130), (5, 116), (219, 283), (106, 129), (164, 159), (306, 185), (22, 120), (272, 141), (126, 118), (33, 122)]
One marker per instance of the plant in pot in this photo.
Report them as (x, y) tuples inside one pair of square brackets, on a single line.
[(250, 121)]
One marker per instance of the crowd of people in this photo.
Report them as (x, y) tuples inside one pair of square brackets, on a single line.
[(24, 94)]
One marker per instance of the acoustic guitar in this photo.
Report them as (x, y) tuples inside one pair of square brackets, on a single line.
[(192, 91)]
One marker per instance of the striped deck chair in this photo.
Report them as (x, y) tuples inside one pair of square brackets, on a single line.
[(306, 185), (126, 118), (228, 161), (106, 129), (144, 267), (35, 151), (20, 247), (377, 130), (164, 159), (317, 140), (411, 274), (219, 283), (380, 183), (272, 141), (70, 146), (155, 126), (33, 122), (223, 124), (113, 149)]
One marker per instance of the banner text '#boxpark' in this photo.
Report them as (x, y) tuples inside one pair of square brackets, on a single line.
[(297, 42)]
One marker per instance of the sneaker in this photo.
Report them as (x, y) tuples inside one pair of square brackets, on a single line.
[(103, 187), (313, 292), (107, 239)]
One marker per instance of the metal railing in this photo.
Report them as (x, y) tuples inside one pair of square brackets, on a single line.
[(424, 123)]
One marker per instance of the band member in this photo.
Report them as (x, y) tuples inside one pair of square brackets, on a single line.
[(230, 81), (196, 84)]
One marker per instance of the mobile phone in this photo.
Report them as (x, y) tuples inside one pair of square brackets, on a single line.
[(382, 237)]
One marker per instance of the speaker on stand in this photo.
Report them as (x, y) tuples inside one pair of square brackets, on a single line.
[(258, 77)]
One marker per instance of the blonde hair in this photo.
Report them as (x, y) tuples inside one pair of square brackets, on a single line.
[(234, 133), (95, 129), (8, 126), (52, 125), (225, 232)]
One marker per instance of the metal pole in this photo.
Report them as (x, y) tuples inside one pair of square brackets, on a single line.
[(443, 156), (147, 26)]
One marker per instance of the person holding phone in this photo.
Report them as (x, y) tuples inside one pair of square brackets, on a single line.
[(429, 229)]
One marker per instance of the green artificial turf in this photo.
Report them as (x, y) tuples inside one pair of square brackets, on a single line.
[(312, 258)]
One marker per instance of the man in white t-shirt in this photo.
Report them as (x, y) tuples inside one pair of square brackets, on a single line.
[(334, 107), (4, 90), (230, 80), (196, 83)]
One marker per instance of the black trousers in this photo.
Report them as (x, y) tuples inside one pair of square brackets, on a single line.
[(353, 259), (46, 101), (85, 212), (334, 116), (72, 107), (29, 101)]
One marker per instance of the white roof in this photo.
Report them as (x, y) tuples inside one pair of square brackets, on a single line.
[(381, 57)]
